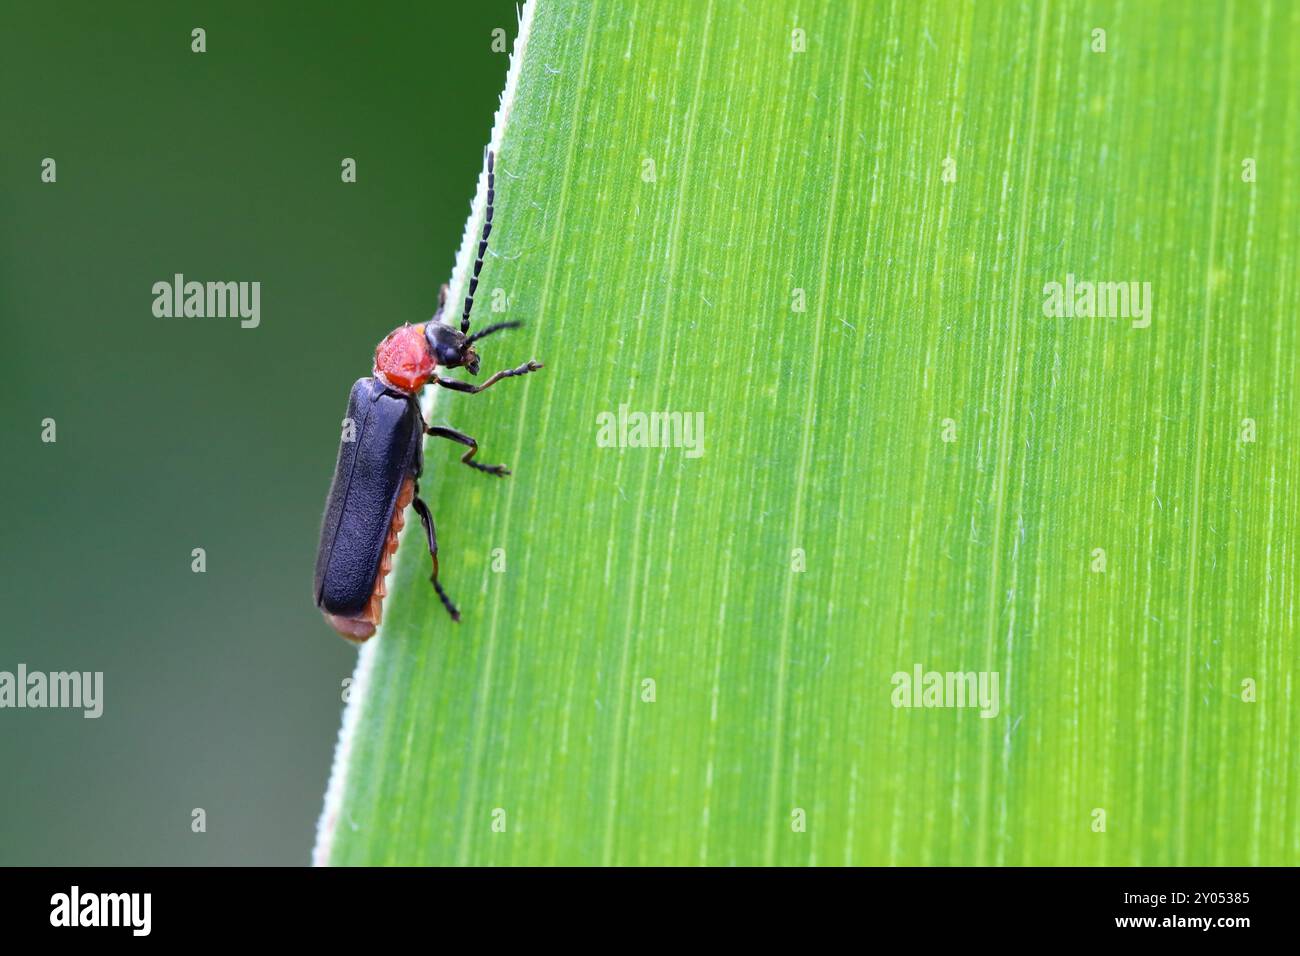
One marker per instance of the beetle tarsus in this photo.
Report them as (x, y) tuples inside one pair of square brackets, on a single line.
[(446, 601), (451, 434), (426, 519), (458, 386)]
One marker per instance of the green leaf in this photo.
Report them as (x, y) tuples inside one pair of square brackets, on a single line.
[(821, 178)]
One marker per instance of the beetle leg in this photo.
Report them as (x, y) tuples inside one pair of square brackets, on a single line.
[(442, 302), (439, 431), (426, 519), (458, 386)]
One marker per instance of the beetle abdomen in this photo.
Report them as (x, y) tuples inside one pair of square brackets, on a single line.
[(362, 627), (364, 511)]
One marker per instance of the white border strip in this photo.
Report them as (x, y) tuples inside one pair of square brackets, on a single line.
[(329, 818)]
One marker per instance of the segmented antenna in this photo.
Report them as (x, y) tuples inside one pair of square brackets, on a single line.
[(494, 327), (482, 244)]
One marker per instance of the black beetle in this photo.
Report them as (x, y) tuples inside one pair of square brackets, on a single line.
[(378, 470)]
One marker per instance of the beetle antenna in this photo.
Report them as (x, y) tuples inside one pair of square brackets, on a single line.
[(482, 244), (495, 327)]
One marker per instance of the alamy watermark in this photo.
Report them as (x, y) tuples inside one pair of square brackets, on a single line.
[(76, 690), (629, 429), (130, 910), (922, 688), (1085, 299), (208, 300)]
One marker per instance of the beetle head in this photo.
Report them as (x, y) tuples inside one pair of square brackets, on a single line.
[(454, 349), (450, 347), (407, 357)]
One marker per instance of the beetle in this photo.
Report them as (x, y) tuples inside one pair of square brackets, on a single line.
[(380, 462)]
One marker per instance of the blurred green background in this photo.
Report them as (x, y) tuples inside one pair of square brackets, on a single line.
[(222, 690)]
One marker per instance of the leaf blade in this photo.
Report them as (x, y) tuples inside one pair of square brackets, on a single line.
[(777, 170)]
